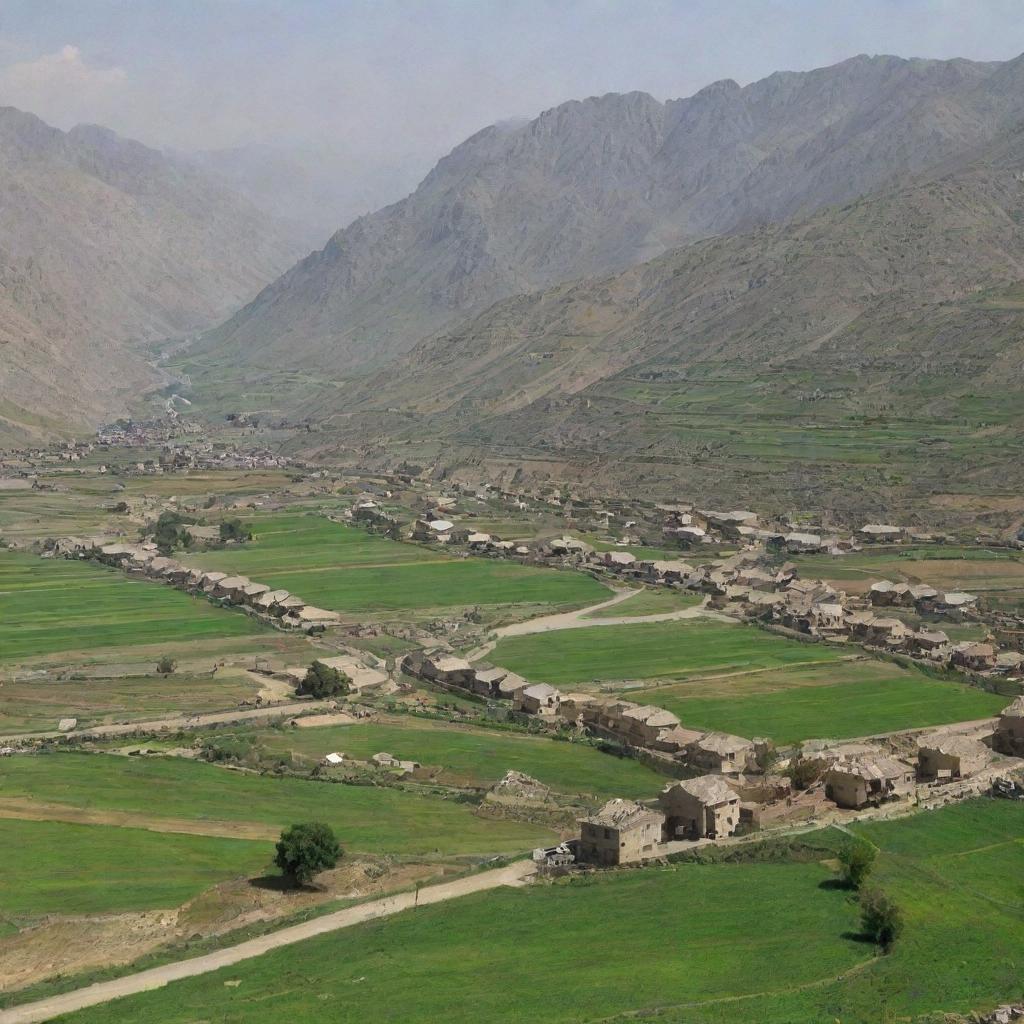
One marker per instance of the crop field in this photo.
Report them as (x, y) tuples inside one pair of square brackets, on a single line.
[(651, 651), (840, 700), (54, 605), (718, 943), (52, 867), (139, 791), (477, 757), (36, 705), (347, 570)]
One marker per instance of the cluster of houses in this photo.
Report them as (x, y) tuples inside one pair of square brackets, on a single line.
[(853, 776), (144, 560)]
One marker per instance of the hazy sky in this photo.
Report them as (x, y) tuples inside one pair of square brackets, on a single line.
[(384, 88)]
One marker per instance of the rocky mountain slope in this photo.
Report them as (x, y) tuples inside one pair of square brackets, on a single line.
[(872, 344), (105, 243), (595, 186)]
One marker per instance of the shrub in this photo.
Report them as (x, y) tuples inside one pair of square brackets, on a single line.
[(232, 529), (881, 918), (166, 665), (857, 858)]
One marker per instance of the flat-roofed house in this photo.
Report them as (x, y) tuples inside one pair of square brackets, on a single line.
[(942, 758), (868, 781), (720, 752), (974, 657), (879, 533), (705, 807), (1008, 737), (539, 699), (644, 724), (621, 832)]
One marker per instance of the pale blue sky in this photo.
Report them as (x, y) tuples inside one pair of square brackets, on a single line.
[(387, 87)]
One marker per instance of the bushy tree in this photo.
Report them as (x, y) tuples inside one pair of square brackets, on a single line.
[(880, 917), (170, 533), (232, 529), (166, 665), (322, 681), (857, 858), (305, 850)]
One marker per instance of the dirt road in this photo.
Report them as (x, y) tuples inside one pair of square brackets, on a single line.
[(579, 620), (174, 723), (156, 977)]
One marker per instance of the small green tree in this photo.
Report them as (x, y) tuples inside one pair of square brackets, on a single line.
[(857, 858), (804, 772), (322, 681), (880, 917), (166, 665), (305, 850)]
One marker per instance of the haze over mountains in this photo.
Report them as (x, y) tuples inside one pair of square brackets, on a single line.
[(599, 185), (105, 243)]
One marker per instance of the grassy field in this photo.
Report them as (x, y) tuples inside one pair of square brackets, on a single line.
[(650, 651), (36, 705), (723, 943), (52, 867), (840, 700), (367, 819), (477, 757), (649, 602), (54, 605), (348, 570)]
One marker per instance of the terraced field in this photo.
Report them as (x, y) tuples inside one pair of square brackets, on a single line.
[(348, 570), (673, 650), (52, 867), (717, 943), (188, 795), (37, 704), (840, 700), (476, 757), (52, 606)]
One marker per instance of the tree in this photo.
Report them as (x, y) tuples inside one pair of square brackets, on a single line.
[(170, 533), (880, 917), (857, 859), (166, 665), (322, 681), (303, 851), (232, 529)]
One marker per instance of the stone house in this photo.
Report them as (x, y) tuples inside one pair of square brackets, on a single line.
[(974, 657), (1008, 737), (643, 725), (868, 781), (885, 594), (802, 542), (720, 752), (944, 758), (701, 808), (621, 832), (539, 699), (878, 533)]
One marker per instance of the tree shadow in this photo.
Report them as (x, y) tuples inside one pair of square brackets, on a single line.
[(277, 883), (836, 884), (861, 937)]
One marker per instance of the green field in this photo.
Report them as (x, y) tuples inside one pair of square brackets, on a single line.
[(54, 605), (51, 867), (650, 651), (719, 943), (368, 819), (649, 602), (348, 570), (841, 700), (36, 705), (477, 757)]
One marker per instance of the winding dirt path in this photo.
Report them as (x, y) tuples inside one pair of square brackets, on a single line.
[(156, 977)]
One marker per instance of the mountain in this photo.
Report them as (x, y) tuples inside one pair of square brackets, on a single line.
[(595, 186), (105, 243), (865, 352), (309, 191)]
